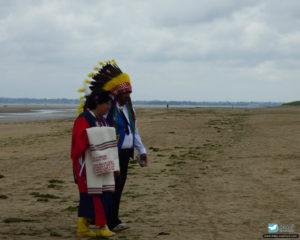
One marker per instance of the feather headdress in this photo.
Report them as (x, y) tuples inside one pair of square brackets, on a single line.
[(111, 78), (108, 77)]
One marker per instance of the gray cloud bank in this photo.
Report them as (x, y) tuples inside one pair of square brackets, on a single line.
[(173, 50)]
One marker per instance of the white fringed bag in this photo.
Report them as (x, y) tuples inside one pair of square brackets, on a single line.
[(101, 159)]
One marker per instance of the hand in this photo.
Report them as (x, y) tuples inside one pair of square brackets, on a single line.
[(144, 159)]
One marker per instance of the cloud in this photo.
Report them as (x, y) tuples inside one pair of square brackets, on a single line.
[(184, 49)]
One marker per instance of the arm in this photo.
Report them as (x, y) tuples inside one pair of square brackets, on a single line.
[(139, 146), (80, 140)]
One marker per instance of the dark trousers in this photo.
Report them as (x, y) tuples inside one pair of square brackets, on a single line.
[(106, 198), (124, 156)]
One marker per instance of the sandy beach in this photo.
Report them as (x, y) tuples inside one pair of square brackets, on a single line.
[(214, 173)]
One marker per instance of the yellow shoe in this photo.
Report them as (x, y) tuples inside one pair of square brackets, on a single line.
[(103, 231), (83, 230)]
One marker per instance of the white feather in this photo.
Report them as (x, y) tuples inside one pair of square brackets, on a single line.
[(88, 91)]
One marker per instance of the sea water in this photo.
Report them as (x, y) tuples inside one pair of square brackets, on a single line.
[(38, 115)]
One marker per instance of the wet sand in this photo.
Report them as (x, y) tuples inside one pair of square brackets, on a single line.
[(213, 173), (20, 108), (37, 112)]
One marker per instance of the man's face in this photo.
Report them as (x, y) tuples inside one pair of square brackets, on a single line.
[(123, 98)]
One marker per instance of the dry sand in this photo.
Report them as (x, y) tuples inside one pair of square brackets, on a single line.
[(213, 173)]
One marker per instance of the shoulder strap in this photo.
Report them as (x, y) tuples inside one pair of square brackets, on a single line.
[(131, 116), (111, 113)]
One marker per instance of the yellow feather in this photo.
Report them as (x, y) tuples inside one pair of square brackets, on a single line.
[(81, 90), (81, 99), (81, 105), (101, 63), (114, 62), (91, 74), (116, 81), (96, 68), (87, 81)]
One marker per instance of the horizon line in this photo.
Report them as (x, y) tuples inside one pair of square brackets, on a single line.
[(154, 100)]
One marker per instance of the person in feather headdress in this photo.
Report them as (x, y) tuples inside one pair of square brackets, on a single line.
[(122, 116)]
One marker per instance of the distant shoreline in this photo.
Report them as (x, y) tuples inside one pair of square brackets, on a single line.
[(10, 113), (22, 108), (68, 102), (35, 112)]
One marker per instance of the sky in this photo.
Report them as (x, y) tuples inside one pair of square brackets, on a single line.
[(185, 50)]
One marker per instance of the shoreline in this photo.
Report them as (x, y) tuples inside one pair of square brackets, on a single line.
[(18, 108), (39, 112), (28, 113)]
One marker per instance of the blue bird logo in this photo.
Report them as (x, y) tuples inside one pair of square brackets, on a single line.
[(273, 227)]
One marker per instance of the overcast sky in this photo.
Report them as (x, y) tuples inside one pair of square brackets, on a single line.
[(193, 50)]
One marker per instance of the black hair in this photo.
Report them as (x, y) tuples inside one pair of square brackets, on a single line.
[(96, 97)]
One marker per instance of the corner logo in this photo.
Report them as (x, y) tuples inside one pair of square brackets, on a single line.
[(273, 228)]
